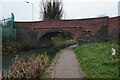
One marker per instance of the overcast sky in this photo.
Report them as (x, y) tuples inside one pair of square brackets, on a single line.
[(73, 9)]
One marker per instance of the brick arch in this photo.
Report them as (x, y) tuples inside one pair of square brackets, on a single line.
[(45, 38)]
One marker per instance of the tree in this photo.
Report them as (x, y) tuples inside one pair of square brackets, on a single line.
[(51, 10)]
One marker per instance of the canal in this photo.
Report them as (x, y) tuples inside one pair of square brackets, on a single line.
[(51, 51)]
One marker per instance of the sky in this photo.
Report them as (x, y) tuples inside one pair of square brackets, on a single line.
[(73, 9)]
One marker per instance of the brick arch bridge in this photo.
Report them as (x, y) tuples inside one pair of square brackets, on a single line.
[(45, 38), (38, 33)]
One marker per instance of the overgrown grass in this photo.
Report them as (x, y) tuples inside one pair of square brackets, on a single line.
[(9, 47), (96, 60), (53, 50), (32, 68), (47, 75)]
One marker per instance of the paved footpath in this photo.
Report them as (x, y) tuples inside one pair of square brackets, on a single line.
[(67, 65)]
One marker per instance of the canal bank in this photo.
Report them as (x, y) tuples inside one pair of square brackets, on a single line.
[(51, 52)]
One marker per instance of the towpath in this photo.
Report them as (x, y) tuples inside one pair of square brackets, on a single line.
[(67, 65)]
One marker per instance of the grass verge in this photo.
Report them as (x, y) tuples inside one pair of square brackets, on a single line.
[(47, 75), (96, 60)]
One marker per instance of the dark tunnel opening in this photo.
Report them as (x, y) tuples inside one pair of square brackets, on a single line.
[(46, 39)]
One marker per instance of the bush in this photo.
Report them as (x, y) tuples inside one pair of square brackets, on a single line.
[(32, 68), (9, 47)]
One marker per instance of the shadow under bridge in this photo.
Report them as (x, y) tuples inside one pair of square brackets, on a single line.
[(46, 39)]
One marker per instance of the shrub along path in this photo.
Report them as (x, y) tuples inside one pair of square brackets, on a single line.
[(67, 65)]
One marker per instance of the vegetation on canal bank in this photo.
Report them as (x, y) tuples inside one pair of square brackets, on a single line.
[(32, 68), (96, 60), (9, 47)]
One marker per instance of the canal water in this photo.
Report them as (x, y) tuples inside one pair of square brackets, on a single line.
[(8, 58)]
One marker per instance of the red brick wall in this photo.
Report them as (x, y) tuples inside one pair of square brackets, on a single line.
[(113, 23), (114, 27), (92, 24)]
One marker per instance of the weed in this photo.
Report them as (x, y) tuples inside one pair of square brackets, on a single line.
[(32, 68)]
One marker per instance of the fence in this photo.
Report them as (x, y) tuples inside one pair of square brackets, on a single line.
[(8, 32)]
